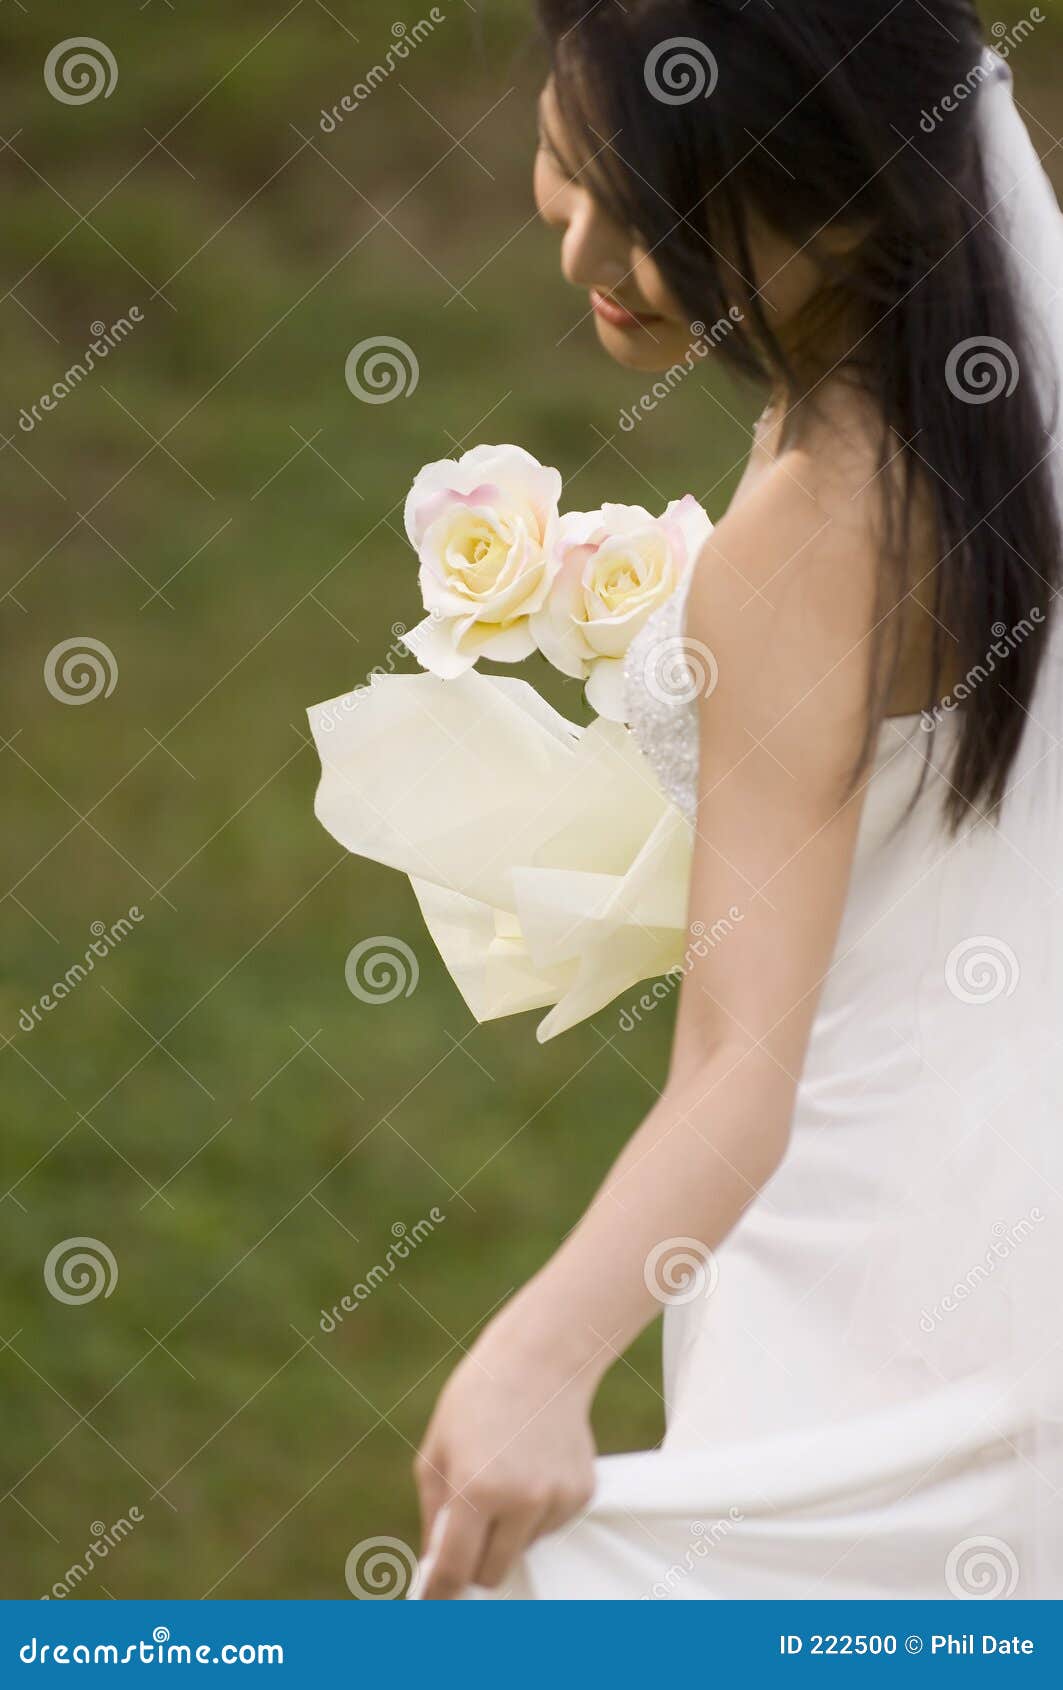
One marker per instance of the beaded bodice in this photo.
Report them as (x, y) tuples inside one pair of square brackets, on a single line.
[(664, 675)]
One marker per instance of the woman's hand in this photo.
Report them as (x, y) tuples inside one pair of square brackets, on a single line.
[(509, 1452)]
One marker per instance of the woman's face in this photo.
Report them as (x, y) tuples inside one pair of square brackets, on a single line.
[(638, 322)]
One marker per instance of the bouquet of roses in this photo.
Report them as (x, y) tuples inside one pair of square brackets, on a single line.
[(550, 868)]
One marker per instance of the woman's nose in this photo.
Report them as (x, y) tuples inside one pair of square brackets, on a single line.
[(589, 255)]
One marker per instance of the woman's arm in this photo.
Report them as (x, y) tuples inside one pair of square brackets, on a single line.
[(783, 596)]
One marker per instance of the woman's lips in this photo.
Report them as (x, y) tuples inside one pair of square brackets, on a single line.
[(618, 315)]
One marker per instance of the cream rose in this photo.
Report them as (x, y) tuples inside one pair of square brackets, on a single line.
[(614, 568), (483, 528)]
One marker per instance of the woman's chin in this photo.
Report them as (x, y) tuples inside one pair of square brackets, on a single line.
[(648, 349)]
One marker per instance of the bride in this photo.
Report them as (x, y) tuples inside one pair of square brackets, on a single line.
[(848, 1195)]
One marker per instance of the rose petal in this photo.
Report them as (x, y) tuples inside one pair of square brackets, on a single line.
[(432, 644), (606, 690), (518, 479)]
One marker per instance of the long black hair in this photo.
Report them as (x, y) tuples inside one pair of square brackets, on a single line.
[(862, 115)]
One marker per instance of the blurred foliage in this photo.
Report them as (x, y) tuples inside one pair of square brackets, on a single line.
[(215, 506)]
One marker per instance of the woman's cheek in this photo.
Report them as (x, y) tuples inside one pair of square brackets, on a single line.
[(548, 188), (652, 286)]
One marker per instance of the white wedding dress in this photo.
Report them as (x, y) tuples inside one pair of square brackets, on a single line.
[(869, 1401)]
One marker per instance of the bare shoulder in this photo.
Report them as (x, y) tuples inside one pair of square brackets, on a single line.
[(785, 595)]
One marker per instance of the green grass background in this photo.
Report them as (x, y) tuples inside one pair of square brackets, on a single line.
[(172, 1107)]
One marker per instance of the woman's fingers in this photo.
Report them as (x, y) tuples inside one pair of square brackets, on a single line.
[(432, 1492), (507, 1539), (479, 1536), (569, 1501), (460, 1550)]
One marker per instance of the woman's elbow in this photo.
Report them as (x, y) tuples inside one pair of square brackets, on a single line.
[(739, 1101)]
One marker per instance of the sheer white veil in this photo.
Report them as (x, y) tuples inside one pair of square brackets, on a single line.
[(1025, 211)]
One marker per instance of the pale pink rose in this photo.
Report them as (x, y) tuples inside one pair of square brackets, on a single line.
[(483, 528), (616, 566)]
